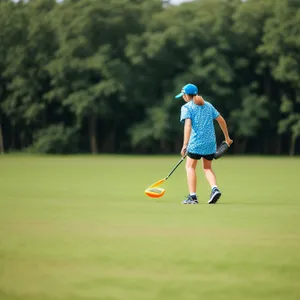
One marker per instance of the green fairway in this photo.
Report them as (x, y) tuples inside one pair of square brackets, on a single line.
[(81, 228)]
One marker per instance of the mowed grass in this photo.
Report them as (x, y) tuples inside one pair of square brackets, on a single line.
[(80, 227)]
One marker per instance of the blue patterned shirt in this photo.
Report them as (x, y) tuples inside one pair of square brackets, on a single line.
[(203, 137)]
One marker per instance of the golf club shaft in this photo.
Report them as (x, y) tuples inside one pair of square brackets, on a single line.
[(181, 160)]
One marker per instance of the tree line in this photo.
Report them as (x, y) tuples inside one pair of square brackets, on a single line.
[(100, 76)]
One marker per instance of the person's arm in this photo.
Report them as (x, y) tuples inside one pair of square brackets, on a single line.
[(223, 126), (186, 135)]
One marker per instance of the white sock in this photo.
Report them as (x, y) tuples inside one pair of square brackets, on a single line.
[(214, 186), (192, 194)]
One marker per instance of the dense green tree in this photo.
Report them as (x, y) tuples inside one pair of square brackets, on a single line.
[(100, 76), (30, 44), (280, 50), (90, 71)]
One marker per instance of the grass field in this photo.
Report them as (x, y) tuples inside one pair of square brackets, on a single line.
[(79, 227)]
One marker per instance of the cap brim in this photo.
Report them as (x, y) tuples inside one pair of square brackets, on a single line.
[(179, 95)]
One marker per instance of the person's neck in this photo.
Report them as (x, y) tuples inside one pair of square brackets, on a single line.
[(199, 101)]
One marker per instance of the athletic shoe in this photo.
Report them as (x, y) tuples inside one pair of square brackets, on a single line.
[(214, 196), (189, 200)]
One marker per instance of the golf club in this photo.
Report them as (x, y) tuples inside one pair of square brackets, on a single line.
[(153, 191)]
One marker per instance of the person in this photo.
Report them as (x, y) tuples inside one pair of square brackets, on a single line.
[(199, 140)]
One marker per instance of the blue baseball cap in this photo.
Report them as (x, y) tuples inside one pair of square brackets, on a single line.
[(189, 89)]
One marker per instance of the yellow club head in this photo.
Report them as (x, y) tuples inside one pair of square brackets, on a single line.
[(154, 192)]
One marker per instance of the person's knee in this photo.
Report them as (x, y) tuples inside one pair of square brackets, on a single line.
[(190, 168), (206, 164), (206, 168)]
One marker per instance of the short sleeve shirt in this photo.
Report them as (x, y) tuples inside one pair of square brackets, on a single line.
[(203, 138)]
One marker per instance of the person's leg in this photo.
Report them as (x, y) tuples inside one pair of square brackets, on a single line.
[(192, 180), (209, 173), (191, 174), (211, 178)]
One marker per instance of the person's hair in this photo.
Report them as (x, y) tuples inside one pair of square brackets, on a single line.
[(191, 95)]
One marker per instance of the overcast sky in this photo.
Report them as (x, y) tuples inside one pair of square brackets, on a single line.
[(179, 1), (172, 1)]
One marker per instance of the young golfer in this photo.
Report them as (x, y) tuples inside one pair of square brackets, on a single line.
[(200, 140)]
